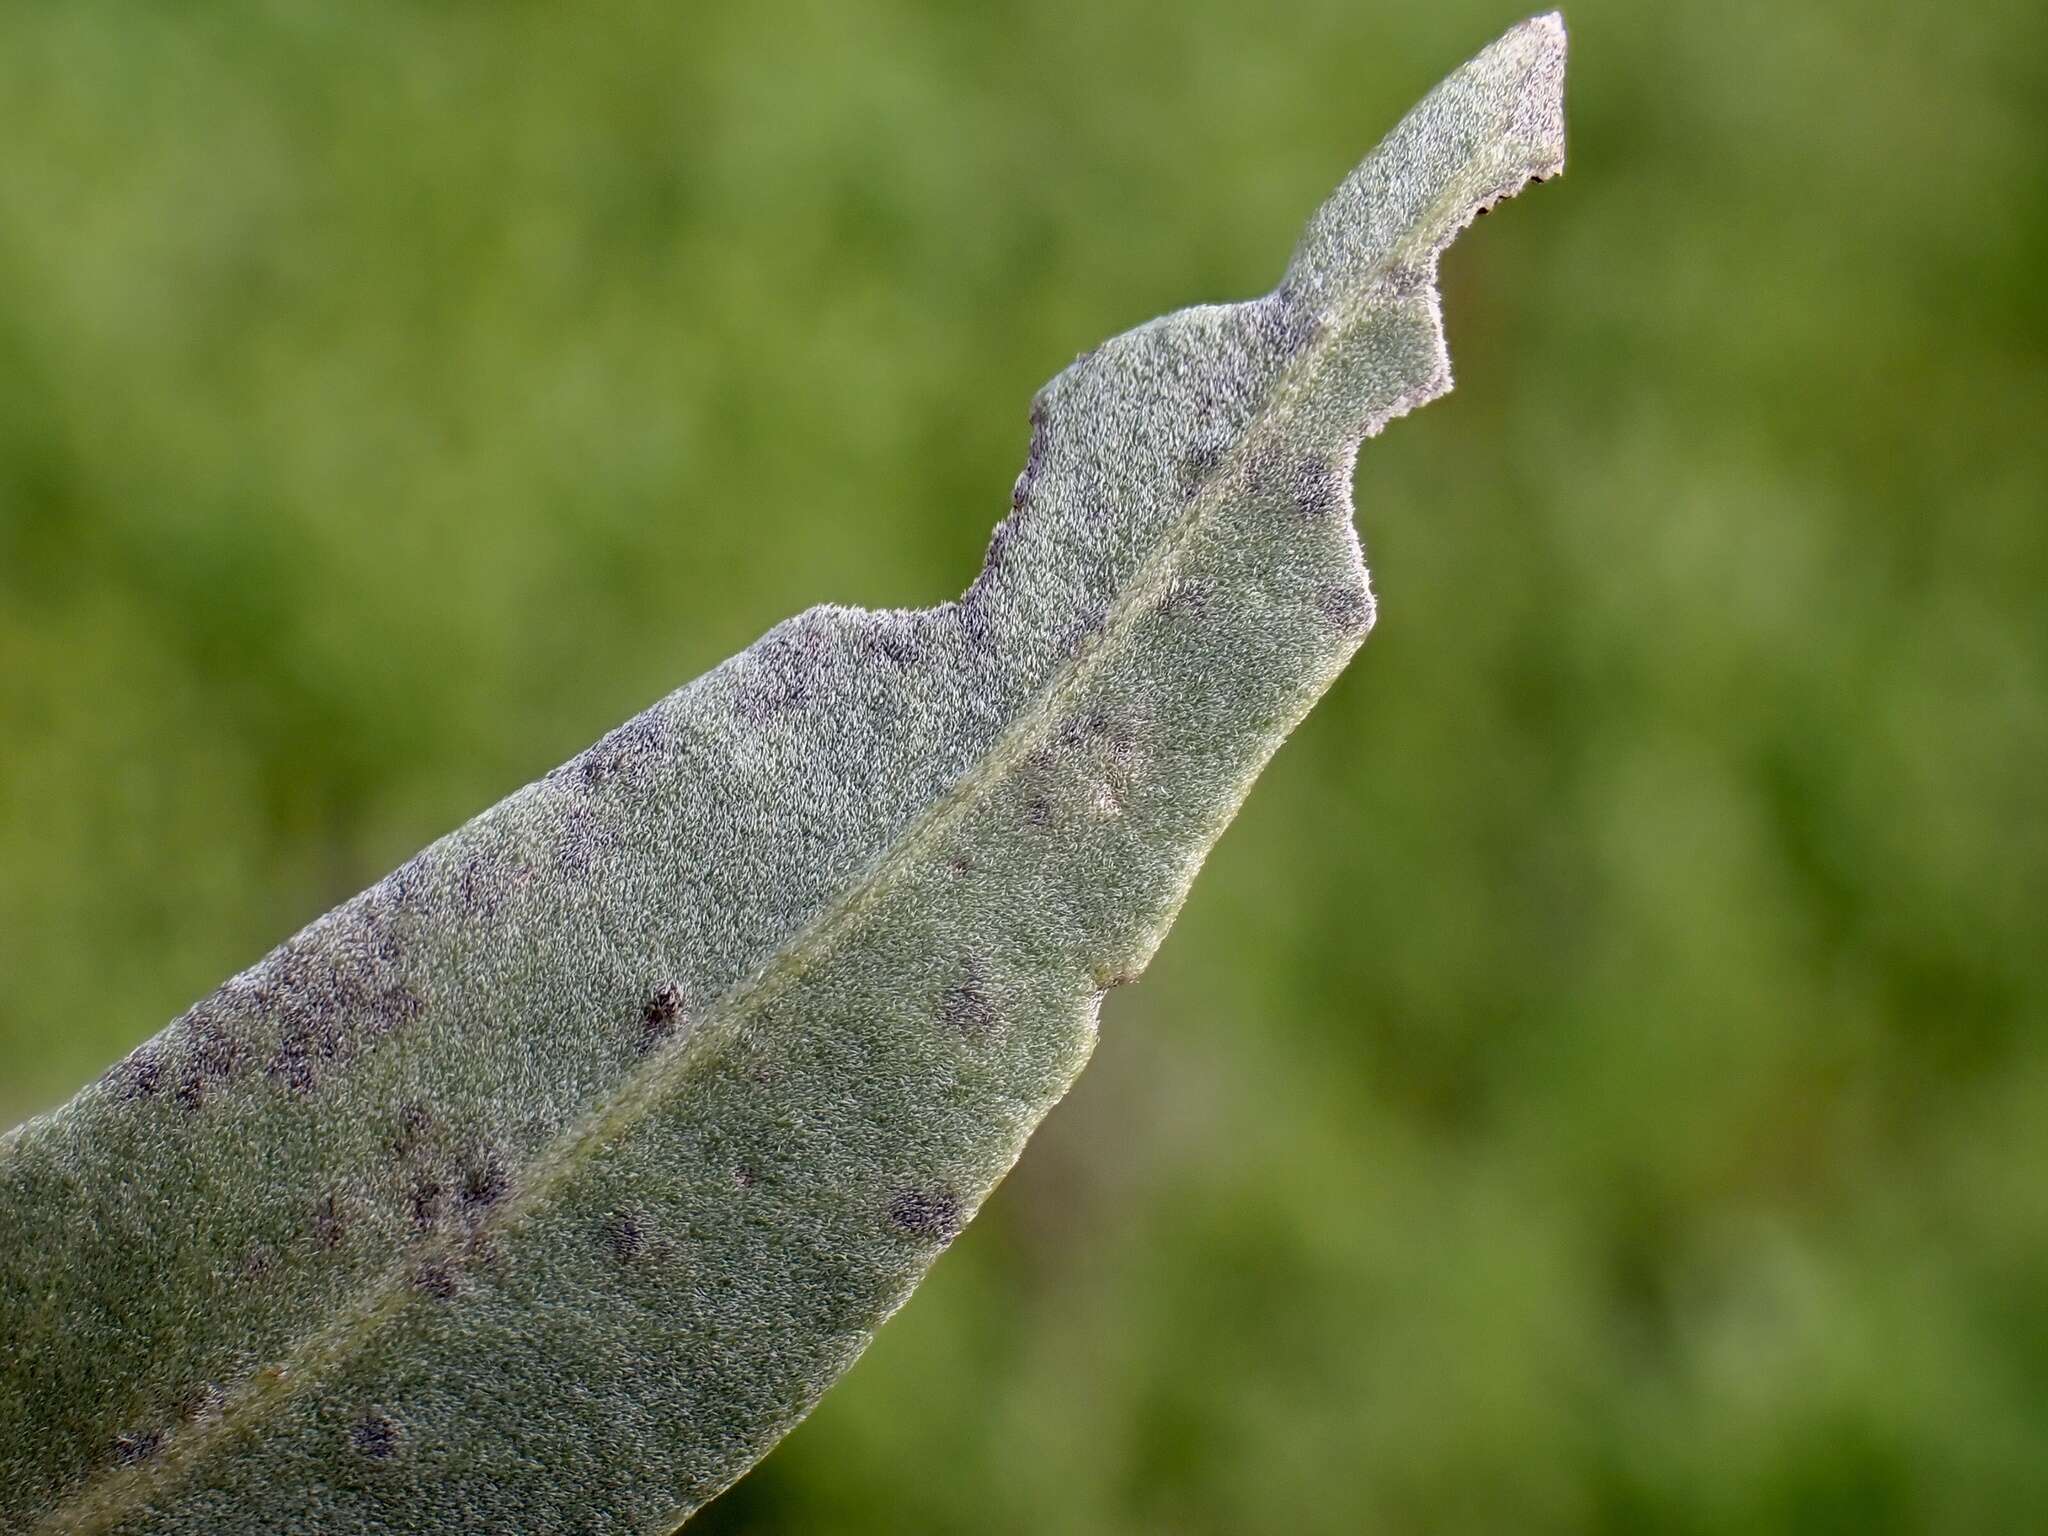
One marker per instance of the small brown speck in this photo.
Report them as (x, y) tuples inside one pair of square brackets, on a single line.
[(143, 1075), (1348, 607), (204, 1401), (437, 1278), (625, 1237), (327, 1222), (661, 1016), (966, 1005), (927, 1213), (424, 1201), (137, 1445), (483, 1181), (374, 1435)]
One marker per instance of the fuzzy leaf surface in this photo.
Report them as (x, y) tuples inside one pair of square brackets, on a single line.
[(548, 1182)]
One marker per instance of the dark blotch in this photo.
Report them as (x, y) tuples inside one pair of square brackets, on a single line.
[(437, 1278), (204, 1401), (424, 1201), (895, 636), (483, 1181), (476, 889), (1318, 495), (966, 1005), (630, 752), (407, 886), (1348, 607), (137, 1445), (661, 1016), (782, 669), (625, 1237), (392, 1007), (933, 1214), (216, 1053), (1038, 813), (142, 1074), (414, 1122), (293, 1069), (1197, 467), (328, 1223), (374, 1435)]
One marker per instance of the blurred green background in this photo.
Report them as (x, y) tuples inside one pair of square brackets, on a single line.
[(1599, 1083)]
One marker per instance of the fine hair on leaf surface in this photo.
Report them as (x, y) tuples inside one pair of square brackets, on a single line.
[(548, 1182)]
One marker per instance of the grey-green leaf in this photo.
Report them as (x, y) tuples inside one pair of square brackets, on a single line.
[(548, 1182)]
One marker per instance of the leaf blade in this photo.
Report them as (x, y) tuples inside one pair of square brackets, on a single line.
[(821, 938)]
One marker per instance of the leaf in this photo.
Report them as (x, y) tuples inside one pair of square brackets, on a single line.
[(549, 1181)]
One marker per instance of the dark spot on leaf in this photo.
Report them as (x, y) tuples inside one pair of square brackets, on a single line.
[(1086, 632), (1039, 812), (204, 1401), (191, 1092), (971, 612), (1347, 605), (933, 1214), (406, 886), (392, 1007), (1318, 493), (743, 1178), (894, 635), (625, 1237), (142, 1073), (374, 1435), (661, 1016), (414, 1122), (781, 671), (257, 1261), (1197, 467), (437, 1278), (630, 752), (215, 1051), (476, 888), (424, 1201), (328, 1222), (292, 1069), (966, 1005), (137, 1445), (483, 1180), (1284, 321)]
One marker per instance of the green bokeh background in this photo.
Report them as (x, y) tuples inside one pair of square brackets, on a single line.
[(1598, 1084)]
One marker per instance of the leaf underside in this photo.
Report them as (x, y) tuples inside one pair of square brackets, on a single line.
[(549, 1181)]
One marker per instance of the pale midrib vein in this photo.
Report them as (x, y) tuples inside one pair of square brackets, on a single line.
[(96, 1505)]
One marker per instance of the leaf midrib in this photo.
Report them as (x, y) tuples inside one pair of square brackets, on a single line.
[(100, 1502)]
